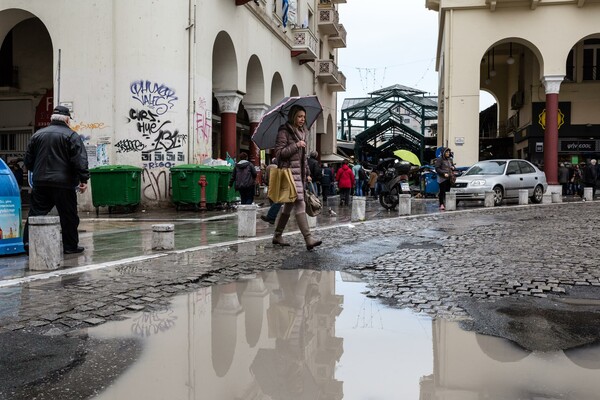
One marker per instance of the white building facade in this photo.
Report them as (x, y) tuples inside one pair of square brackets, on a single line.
[(165, 83), (539, 59)]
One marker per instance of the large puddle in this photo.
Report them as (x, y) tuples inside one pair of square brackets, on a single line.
[(302, 334)]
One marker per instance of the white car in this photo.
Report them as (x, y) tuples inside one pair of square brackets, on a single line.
[(504, 177)]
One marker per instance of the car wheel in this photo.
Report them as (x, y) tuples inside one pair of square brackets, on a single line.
[(498, 195), (538, 194)]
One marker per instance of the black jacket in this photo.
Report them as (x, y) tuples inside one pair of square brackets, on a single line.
[(243, 176), (57, 157)]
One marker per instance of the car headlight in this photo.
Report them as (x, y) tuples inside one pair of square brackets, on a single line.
[(478, 182)]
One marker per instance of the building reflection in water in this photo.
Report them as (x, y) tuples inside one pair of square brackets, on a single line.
[(269, 337), (470, 366)]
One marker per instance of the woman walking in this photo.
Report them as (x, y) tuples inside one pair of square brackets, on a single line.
[(290, 151), (444, 169)]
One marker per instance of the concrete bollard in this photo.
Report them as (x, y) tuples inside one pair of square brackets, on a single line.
[(404, 204), (45, 243), (489, 199), (547, 198), (163, 237), (556, 197), (246, 220), (358, 208), (523, 197), (588, 194), (312, 221), (450, 203)]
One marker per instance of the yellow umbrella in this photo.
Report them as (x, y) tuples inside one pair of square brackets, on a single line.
[(408, 156)]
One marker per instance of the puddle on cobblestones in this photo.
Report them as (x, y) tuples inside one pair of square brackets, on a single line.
[(303, 334)]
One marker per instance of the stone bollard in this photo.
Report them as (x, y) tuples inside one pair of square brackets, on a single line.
[(163, 237), (489, 199), (45, 243), (358, 208), (547, 198), (556, 197), (312, 221), (404, 204), (450, 201), (246, 220), (523, 197), (588, 194)]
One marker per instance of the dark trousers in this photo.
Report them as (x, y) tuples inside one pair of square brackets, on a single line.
[(43, 199), (273, 211), (345, 196), (325, 191), (246, 195), (444, 188)]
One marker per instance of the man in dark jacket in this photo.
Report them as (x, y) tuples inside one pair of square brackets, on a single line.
[(315, 171), (590, 176), (244, 179), (57, 158)]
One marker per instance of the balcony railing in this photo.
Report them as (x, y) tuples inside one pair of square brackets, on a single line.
[(306, 45), (339, 40), (327, 72), (327, 2), (328, 20)]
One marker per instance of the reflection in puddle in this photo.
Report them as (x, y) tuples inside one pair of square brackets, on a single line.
[(300, 334)]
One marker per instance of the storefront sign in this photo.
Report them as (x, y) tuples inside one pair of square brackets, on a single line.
[(577, 146)]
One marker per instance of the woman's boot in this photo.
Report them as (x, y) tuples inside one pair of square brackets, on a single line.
[(303, 225), (281, 223)]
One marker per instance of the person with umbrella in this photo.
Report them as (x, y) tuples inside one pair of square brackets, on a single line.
[(290, 151)]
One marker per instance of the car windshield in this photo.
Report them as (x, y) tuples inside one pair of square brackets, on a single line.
[(487, 168)]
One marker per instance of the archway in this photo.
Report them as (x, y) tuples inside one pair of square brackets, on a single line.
[(277, 90), (26, 72), (294, 92)]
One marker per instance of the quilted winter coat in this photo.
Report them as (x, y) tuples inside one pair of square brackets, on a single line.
[(289, 155)]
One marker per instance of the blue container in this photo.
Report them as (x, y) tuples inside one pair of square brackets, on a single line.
[(11, 232)]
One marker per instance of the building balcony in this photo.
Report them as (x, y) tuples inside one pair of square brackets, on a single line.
[(327, 72), (306, 45), (328, 21), (327, 2), (339, 40)]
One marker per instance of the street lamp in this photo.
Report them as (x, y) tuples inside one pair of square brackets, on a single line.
[(510, 60)]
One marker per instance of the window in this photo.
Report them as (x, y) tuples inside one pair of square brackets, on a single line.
[(591, 57), (513, 168), (526, 168)]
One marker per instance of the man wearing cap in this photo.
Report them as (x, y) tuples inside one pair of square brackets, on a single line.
[(58, 160)]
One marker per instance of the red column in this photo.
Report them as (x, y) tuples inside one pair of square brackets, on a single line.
[(228, 135), (255, 113), (552, 85), (229, 102)]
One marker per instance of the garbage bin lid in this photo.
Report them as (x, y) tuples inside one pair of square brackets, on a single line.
[(193, 167), (122, 168)]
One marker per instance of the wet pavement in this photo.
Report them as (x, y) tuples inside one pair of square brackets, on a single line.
[(523, 280)]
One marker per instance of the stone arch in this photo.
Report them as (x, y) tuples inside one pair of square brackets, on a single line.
[(224, 63), (294, 92), (277, 90), (255, 81), (499, 349)]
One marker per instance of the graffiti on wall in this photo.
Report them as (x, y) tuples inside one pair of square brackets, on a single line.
[(154, 134), (158, 97), (88, 126), (156, 184), (203, 130)]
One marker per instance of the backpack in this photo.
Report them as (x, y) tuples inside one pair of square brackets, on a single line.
[(362, 175)]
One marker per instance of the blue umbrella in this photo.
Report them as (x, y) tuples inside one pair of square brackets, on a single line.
[(268, 127)]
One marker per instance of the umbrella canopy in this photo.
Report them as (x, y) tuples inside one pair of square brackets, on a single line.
[(408, 156), (268, 127)]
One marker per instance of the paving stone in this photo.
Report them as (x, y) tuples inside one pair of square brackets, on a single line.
[(94, 321)]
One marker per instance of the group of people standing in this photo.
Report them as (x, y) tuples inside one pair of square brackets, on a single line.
[(574, 177)]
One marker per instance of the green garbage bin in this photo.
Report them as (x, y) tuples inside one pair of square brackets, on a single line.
[(226, 194), (185, 187), (116, 185)]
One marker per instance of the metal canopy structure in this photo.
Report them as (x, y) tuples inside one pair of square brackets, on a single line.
[(381, 122)]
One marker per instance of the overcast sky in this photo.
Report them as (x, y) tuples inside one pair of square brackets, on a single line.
[(389, 42)]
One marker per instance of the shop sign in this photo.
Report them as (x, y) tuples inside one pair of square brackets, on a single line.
[(575, 146)]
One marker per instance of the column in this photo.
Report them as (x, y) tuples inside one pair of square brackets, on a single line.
[(552, 85), (255, 113), (229, 101)]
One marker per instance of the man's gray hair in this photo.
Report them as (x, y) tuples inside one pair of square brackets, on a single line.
[(58, 117)]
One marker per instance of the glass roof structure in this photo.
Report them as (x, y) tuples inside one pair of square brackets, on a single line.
[(378, 126)]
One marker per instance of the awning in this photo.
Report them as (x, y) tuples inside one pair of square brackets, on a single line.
[(332, 158)]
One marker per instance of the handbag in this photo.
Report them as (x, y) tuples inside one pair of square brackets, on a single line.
[(313, 203), (281, 186)]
